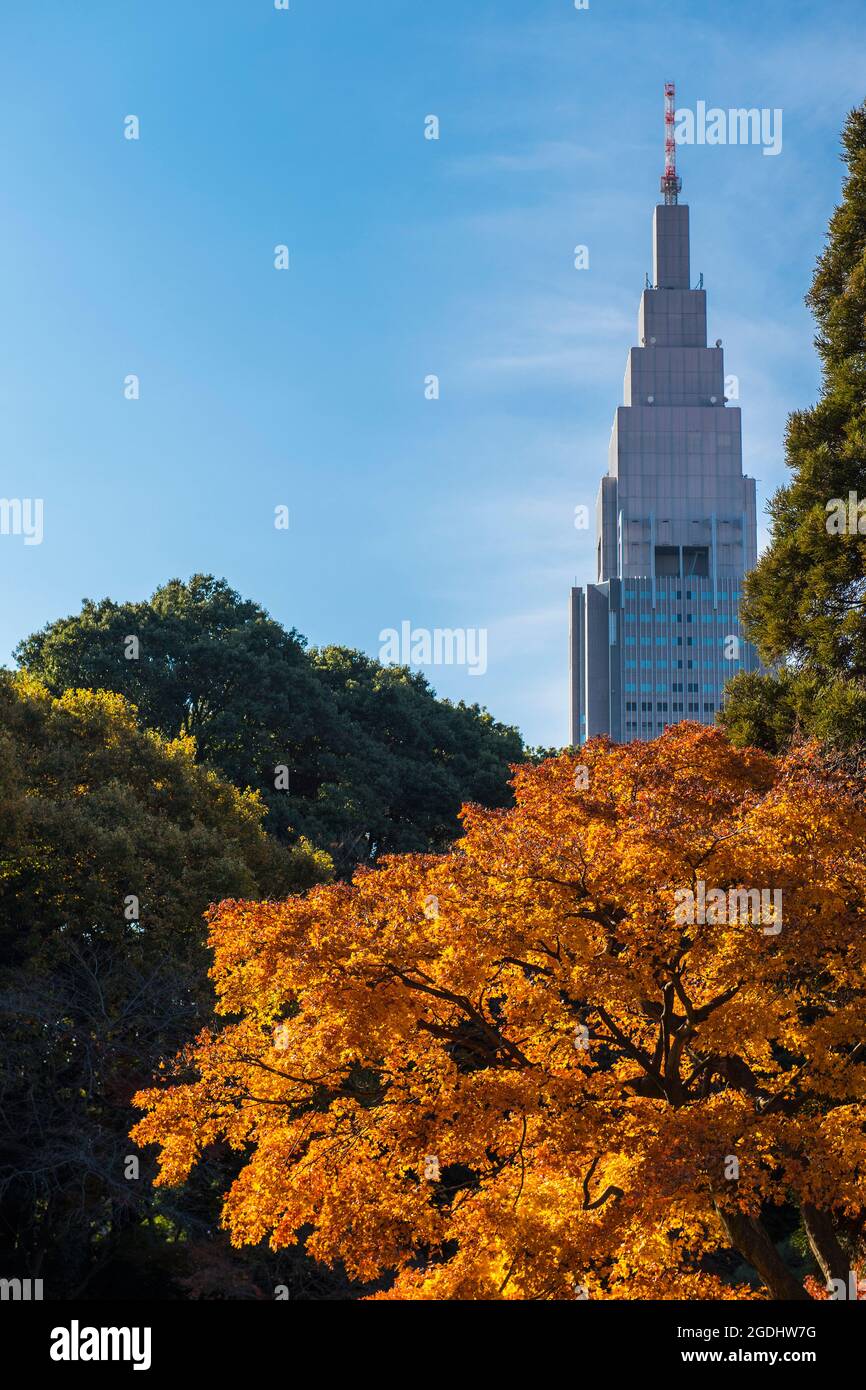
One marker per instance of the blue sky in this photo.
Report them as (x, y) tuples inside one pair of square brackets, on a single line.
[(409, 257)]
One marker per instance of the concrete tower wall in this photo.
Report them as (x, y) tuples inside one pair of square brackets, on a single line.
[(659, 632)]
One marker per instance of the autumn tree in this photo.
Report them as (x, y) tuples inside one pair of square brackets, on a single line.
[(357, 757), (114, 841), (574, 1056)]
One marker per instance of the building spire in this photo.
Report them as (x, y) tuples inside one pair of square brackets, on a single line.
[(670, 184)]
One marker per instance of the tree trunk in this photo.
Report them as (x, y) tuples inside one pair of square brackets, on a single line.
[(747, 1235), (825, 1245)]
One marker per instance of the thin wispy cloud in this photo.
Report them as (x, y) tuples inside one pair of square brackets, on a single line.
[(548, 156)]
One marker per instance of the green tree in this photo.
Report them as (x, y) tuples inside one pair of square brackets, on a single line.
[(804, 602), (114, 843), (374, 761), (409, 760)]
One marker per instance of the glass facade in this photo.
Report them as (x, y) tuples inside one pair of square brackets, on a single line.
[(695, 644)]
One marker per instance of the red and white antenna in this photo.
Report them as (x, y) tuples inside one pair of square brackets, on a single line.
[(670, 184)]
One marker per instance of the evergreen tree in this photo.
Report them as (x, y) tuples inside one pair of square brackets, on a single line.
[(113, 843), (804, 602), (360, 758)]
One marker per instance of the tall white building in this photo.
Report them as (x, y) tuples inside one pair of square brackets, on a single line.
[(654, 639)]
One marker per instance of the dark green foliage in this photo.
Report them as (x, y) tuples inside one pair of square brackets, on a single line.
[(804, 603), (376, 763), (95, 989)]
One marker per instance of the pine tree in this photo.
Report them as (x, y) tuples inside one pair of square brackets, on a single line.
[(804, 603)]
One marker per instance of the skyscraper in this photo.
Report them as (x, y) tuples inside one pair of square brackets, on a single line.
[(654, 639)]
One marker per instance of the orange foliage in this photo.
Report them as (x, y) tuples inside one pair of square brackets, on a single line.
[(512, 1071)]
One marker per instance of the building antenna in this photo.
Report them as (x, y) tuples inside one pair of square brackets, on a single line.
[(670, 184)]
